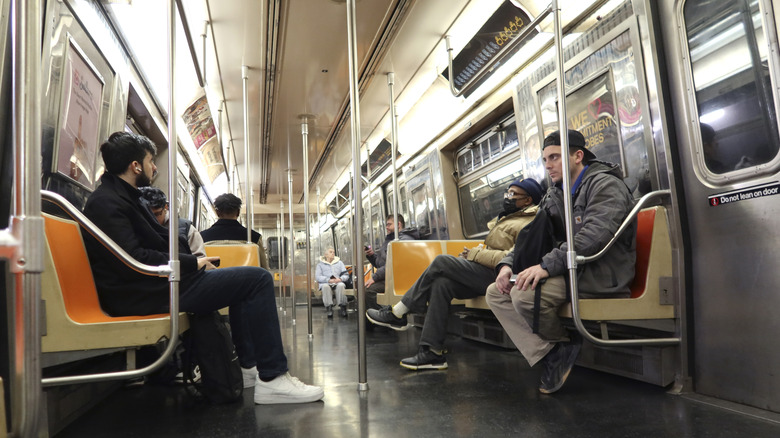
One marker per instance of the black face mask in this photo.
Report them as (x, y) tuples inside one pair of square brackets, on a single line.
[(510, 206)]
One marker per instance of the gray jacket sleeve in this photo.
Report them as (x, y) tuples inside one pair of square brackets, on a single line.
[(602, 208)]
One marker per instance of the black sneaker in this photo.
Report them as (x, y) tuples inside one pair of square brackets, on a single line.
[(425, 359), (343, 311), (330, 311), (385, 317), (558, 364)]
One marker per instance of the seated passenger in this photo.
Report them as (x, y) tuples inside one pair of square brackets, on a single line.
[(601, 202), (462, 277), (331, 275), (158, 204), (376, 284), (116, 208), (227, 227)]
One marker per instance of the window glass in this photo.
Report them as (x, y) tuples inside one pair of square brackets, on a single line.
[(274, 253), (487, 147), (344, 241), (482, 199), (729, 62)]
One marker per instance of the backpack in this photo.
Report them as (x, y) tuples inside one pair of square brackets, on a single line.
[(209, 348), (348, 284)]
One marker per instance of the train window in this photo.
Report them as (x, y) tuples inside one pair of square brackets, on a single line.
[(488, 146), (403, 208), (344, 241), (482, 199), (729, 57)]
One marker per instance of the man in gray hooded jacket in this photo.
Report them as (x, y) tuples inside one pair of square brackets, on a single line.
[(601, 202)]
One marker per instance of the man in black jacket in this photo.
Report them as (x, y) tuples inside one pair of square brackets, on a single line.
[(227, 227), (116, 208)]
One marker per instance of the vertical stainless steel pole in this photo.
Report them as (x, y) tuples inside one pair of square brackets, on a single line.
[(282, 262), (292, 234), (370, 207), (27, 224), (562, 126), (305, 135), (354, 106), (319, 222), (247, 161), (394, 148)]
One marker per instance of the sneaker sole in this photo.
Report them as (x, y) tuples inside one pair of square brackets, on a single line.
[(575, 353), (398, 328), (443, 366), (286, 399)]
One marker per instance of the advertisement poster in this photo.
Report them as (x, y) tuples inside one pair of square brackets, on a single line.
[(200, 125), (78, 139), (591, 110)]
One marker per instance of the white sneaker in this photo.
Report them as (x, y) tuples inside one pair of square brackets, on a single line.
[(250, 376), (286, 389)]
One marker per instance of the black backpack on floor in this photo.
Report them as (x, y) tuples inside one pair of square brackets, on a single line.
[(209, 352)]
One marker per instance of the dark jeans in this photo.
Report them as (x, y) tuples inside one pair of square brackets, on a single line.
[(371, 291), (249, 292), (447, 277)]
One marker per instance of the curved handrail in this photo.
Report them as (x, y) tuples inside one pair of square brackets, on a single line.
[(97, 233), (626, 223), (162, 271)]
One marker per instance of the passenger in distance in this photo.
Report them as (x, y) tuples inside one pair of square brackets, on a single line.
[(376, 284), (331, 275), (227, 227), (158, 204), (601, 202), (115, 207), (462, 277)]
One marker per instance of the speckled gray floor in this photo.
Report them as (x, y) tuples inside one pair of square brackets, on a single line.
[(486, 392)]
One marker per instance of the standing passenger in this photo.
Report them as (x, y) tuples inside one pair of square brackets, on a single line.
[(601, 202), (376, 284), (331, 275), (449, 277), (115, 207)]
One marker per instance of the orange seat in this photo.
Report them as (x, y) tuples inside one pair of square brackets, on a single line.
[(74, 318), (75, 275), (230, 255)]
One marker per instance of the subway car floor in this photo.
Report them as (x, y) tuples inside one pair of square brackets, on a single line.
[(487, 392)]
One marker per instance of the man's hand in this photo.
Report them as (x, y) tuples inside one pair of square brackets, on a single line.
[(465, 253), (206, 261), (369, 282), (502, 280), (369, 251), (531, 277)]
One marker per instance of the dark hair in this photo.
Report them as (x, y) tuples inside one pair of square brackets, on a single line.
[(228, 204), (122, 148), (154, 196), (400, 220), (707, 133)]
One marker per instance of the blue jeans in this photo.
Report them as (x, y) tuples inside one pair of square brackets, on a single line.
[(249, 292)]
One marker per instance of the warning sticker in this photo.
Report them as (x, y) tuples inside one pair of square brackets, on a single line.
[(754, 192)]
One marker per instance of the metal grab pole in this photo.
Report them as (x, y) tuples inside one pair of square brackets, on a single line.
[(354, 106), (571, 254), (370, 207), (247, 166), (394, 148), (319, 223), (282, 262), (26, 264), (292, 235), (305, 135)]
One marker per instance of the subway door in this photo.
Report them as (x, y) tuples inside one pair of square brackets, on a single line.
[(723, 78)]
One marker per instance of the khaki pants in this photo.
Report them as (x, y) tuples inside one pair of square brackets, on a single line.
[(515, 313)]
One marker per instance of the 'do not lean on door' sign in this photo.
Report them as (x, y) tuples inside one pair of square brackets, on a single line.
[(760, 191)]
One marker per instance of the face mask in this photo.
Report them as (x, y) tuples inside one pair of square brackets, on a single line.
[(167, 217), (510, 206)]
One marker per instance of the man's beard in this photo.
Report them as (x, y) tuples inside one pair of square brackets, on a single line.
[(142, 180)]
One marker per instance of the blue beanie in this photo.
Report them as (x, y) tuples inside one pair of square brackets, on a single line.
[(531, 187)]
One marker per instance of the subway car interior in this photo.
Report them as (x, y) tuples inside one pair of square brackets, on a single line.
[(337, 121)]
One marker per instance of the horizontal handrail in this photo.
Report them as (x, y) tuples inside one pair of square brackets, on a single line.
[(624, 226), (160, 271)]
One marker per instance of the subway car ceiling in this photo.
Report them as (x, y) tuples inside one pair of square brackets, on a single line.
[(296, 60)]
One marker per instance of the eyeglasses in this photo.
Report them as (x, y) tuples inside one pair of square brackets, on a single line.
[(514, 195)]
